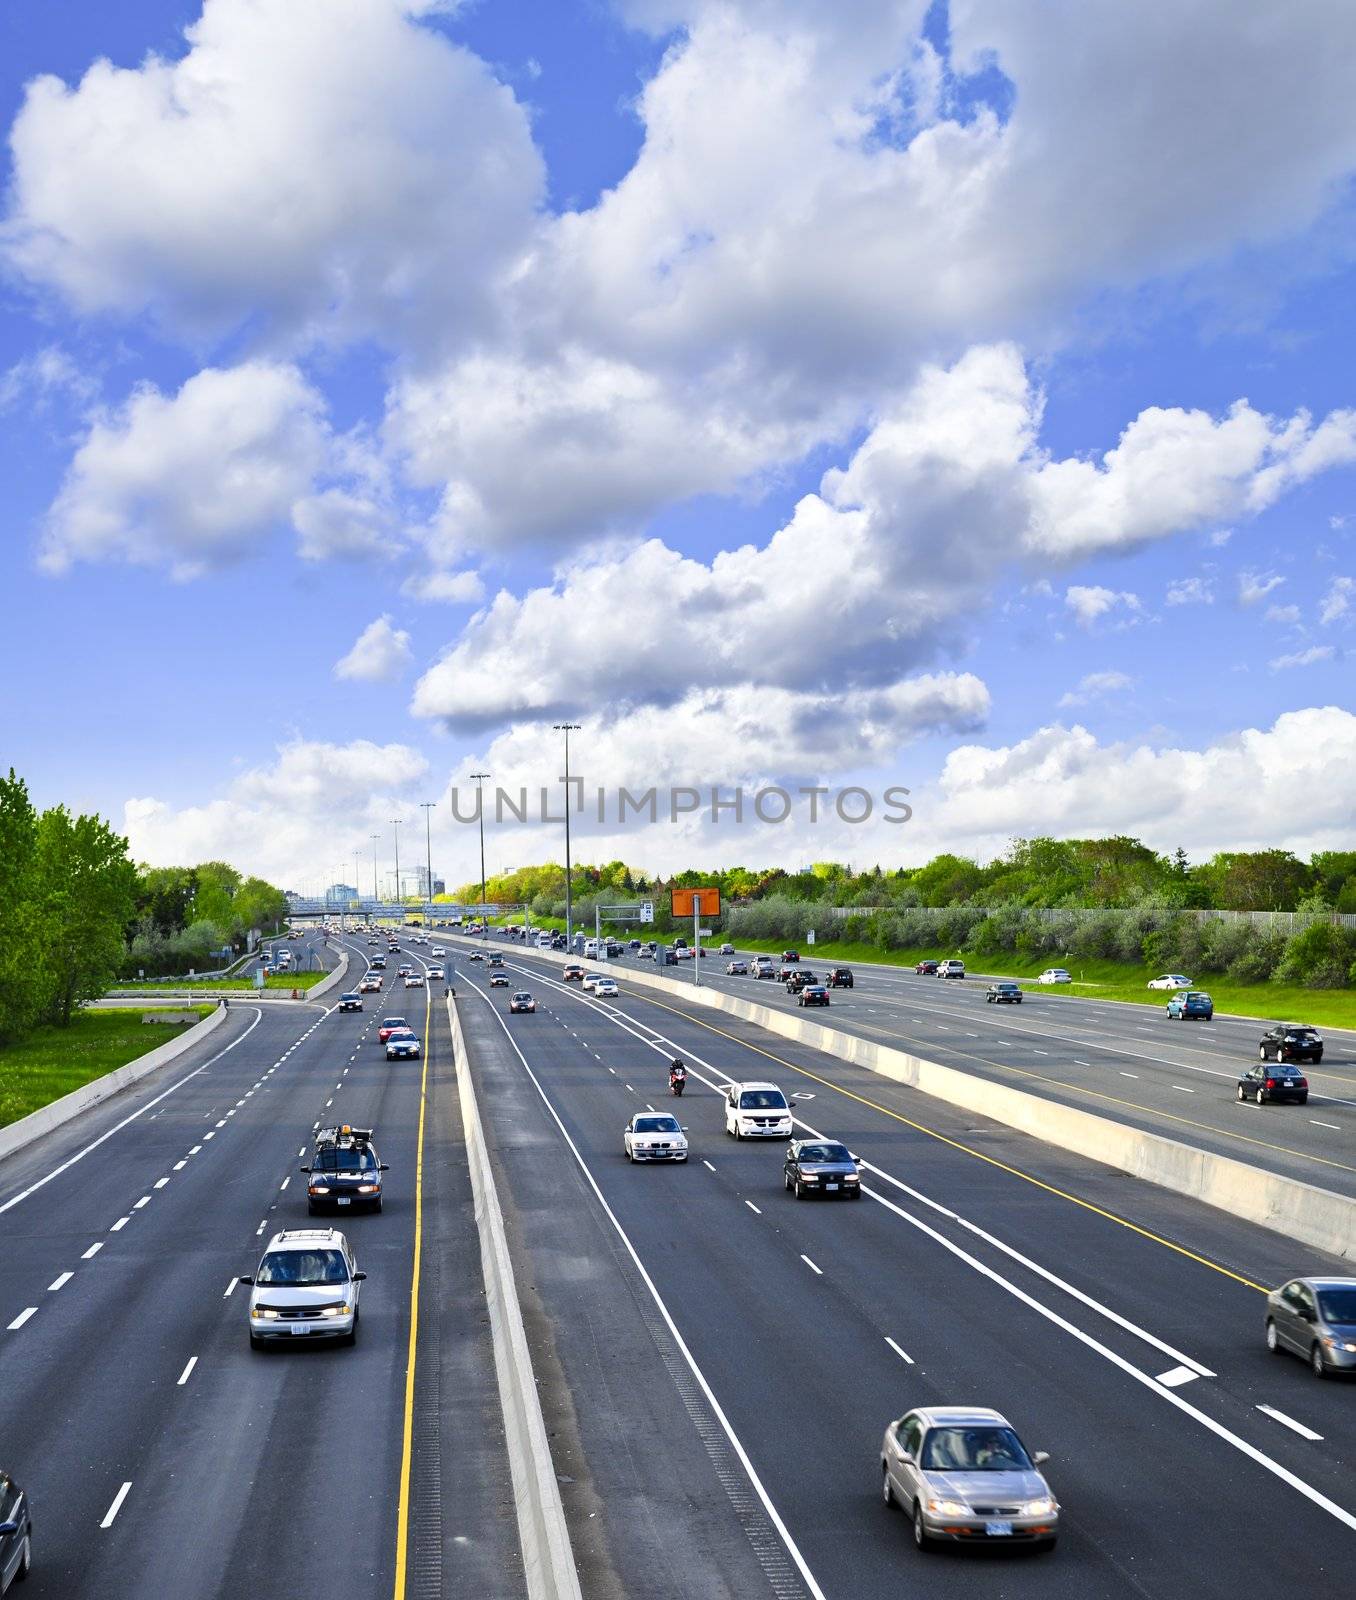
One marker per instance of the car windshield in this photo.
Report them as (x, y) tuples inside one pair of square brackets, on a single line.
[(344, 1161), (975, 1449), (824, 1152), (657, 1125), (302, 1268), (762, 1100), (522, 996), (1338, 1305), (394, 1022)]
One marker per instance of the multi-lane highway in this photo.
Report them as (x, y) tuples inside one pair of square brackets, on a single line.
[(163, 1457), (1118, 1326)]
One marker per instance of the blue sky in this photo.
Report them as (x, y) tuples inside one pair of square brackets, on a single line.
[(847, 392)]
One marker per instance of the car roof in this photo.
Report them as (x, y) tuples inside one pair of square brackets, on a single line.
[(937, 1416), (306, 1239), (754, 1083), (1327, 1283)]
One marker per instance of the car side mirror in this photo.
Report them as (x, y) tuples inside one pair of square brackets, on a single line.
[(1308, 1313), (359, 1277), (790, 1103), (383, 1167), (684, 1127), (8, 1527), (1040, 1457), (303, 1169), (243, 1279)]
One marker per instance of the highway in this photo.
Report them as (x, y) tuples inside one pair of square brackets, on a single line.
[(1127, 1062), (1119, 1327), (162, 1455)]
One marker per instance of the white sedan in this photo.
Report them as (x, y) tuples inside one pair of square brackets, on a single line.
[(1055, 975), (605, 988), (654, 1136), (436, 972), (589, 979), (437, 950), (414, 980), (1170, 980)]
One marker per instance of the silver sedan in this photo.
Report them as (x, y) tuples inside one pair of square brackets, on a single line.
[(1315, 1319), (965, 1477), (654, 1136)]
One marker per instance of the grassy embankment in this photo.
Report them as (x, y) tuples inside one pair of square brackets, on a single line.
[(292, 980), (52, 1062)]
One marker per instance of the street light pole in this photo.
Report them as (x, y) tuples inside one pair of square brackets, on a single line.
[(395, 824), (426, 806), (480, 817), (567, 728), (376, 898)]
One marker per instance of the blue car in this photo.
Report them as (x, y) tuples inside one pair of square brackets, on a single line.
[(1187, 1003)]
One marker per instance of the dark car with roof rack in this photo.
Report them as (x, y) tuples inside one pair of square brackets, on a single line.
[(344, 1172)]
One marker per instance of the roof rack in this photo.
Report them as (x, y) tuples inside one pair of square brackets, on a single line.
[(343, 1132)]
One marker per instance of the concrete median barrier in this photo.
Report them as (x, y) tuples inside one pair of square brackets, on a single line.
[(1302, 1211)]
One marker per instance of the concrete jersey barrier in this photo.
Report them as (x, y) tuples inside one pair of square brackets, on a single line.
[(1302, 1211), (42, 1121)]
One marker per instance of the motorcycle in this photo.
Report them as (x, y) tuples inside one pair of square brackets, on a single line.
[(677, 1078)]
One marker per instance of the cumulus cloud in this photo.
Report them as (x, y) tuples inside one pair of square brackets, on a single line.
[(1254, 586), (1090, 602), (380, 654), (1338, 600), (321, 166), (1302, 658), (453, 588), (1283, 614), (1096, 684), (191, 480), (1190, 592), (38, 379)]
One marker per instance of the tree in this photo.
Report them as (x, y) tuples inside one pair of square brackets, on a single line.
[(1257, 880), (21, 966), (86, 892)]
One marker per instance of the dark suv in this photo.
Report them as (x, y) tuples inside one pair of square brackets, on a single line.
[(840, 978), (800, 979), (344, 1171), (16, 1533), (1290, 1042)]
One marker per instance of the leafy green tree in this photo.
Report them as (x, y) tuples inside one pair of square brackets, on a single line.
[(21, 962), (86, 892)]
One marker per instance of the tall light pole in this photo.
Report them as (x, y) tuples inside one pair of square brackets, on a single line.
[(567, 728), (395, 824), (480, 817), (376, 898), (426, 806)]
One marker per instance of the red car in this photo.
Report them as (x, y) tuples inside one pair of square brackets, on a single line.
[(790, 955), (926, 969), (390, 1025), (573, 974)]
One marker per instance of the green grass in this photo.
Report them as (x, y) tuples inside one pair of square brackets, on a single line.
[(293, 980), (52, 1062)]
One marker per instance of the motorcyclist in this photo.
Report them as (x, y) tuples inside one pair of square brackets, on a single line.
[(677, 1076)]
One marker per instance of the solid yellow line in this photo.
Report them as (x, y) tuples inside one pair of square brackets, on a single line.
[(407, 1442), (979, 1155)]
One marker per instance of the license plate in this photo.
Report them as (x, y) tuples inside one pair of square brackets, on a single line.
[(830, 1185), (299, 1327), (345, 1202), (997, 1529)]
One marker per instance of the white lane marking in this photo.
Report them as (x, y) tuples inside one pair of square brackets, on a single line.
[(93, 1250), (1289, 1422), (1333, 1125), (211, 1135), (792, 1549), (648, 1106), (1079, 1063), (753, 1208), (144, 1201), (230, 1287), (302, 1151), (284, 1183), (120, 1224), (1036, 1052), (630, 1090), (1129, 1074), (813, 1268), (159, 1183), (261, 1227), (183, 1376), (231, 1112), (613, 1071), (195, 1149), (899, 1350), (24, 1315), (180, 1165), (707, 1165), (1181, 1088), (113, 1510), (1175, 1377), (222, 1123), (118, 1127), (63, 1279), (329, 1103)]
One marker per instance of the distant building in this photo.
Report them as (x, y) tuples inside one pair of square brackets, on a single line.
[(340, 894)]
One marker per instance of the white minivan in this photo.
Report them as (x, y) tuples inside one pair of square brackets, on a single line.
[(757, 1111)]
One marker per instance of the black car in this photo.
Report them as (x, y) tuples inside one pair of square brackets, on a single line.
[(613, 948), (1291, 1042), (800, 979), (16, 1532), (1004, 993), (926, 969), (345, 1173), (1274, 1083), (840, 978), (811, 994), (351, 1002), (821, 1166), (379, 963)]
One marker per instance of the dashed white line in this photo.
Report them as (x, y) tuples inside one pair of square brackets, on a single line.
[(753, 1208), (284, 1183), (64, 1279), (629, 1089), (222, 1123), (120, 1224), (707, 1165), (899, 1350), (195, 1149), (261, 1227), (1175, 1377), (1333, 1125), (1289, 1422), (211, 1135), (1181, 1088), (230, 1287), (813, 1268), (1129, 1074), (113, 1510), (24, 1315), (180, 1165), (183, 1376), (159, 1183), (144, 1201), (1079, 1063), (93, 1250), (302, 1151)]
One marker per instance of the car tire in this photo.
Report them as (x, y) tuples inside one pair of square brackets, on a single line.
[(921, 1538), (786, 1182), (887, 1491), (1317, 1365), (1242, 1094), (255, 1342), (799, 1190), (1261, 1052), (351, 1337), (25, 1559), (1273, 1339), (1304, 1099), (1261, 1097), (1043, 1547)]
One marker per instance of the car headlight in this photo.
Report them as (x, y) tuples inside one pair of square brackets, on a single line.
[(949, 1508), (852, 1177), (367, 1188), (334, 1311), (809, 1177), (264, 1313), (1042, 1506)]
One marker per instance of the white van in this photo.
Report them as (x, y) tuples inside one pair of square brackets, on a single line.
[(590, 949), (543, 941), (757, 1111)]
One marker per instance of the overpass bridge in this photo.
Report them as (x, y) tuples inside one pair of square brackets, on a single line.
[(302, 909)]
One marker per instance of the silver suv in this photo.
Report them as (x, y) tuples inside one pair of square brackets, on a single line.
[(305, 1286)]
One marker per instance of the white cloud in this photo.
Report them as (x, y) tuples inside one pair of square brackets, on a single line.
[(453, 588), (1302, 658), (1190, 592), (301, 816), (38, 378), (319, 165), (1253, 586), (380, 654), (1089, 602), (1283, 614), (192, 480), (339, 522), (1096, 684), (1337, 602), (1220, 537)]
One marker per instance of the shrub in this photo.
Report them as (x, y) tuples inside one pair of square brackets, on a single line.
[(1319, 957)]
